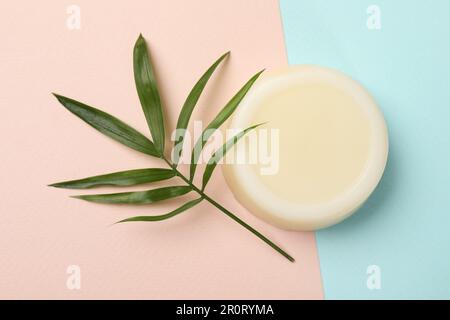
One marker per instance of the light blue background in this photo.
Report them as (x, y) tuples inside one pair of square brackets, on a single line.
[(405, 226)]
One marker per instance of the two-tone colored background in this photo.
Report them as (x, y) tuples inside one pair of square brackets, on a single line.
[(403, 230)]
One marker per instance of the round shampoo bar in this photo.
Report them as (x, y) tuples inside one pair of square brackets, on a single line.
[(319, 155)]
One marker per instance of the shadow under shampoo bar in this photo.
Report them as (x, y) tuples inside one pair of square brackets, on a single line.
[(331, 148)]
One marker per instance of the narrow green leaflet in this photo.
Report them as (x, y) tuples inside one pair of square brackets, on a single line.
[(191, 101), (122, 178), (109, 125), (223, 115), (220, 153), (148, 93), (138, 197), (171, 214)]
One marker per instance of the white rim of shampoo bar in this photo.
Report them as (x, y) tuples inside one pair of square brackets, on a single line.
[(294, 213)]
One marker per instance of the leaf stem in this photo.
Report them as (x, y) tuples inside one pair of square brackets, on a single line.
[(229, 213)]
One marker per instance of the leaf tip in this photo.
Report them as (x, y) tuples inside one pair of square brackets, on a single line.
[(80, 197), (256, 76), (140, 38), (139, 41), (61, 99)]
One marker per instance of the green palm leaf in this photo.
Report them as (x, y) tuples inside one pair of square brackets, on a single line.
[(109, 125), (138, 197), (122, 178), (171, 214), (220, 153), (191, 101), (151, 104), (223, 115), (148, 93)]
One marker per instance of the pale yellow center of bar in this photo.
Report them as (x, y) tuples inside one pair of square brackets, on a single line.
[(324, 140)]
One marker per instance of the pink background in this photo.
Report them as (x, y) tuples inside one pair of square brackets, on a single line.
[(199, 254)]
